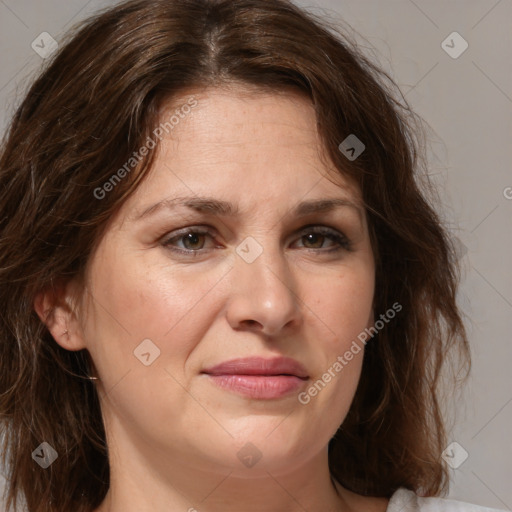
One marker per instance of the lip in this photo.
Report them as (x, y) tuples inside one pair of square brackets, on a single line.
[(258, 377)]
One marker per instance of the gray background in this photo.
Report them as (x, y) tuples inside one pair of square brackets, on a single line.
[(467, 102)]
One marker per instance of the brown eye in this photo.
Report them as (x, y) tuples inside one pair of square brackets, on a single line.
[(314, 238), (188, 241), (193, 240)]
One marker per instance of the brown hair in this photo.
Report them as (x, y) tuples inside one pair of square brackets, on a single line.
[(96, 102)]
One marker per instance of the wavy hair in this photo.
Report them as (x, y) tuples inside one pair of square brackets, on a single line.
[(96, 101)]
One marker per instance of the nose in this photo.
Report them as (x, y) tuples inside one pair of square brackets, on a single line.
[(263, 295)]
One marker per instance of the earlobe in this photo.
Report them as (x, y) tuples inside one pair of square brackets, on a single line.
[(55, 309)]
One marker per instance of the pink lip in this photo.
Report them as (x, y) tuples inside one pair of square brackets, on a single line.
[(258, 377)]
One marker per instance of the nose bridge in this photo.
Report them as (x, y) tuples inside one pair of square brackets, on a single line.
[(263, 288), (264, 265)]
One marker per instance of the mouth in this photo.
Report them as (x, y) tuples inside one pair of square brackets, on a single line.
[(259, 378)]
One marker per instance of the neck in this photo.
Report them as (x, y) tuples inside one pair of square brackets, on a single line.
[(147, 478), (143, 481)]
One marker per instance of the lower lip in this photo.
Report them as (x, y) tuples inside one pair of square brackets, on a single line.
[(259, 386)]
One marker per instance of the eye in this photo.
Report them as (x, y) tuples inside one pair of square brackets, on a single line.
[(192, 239), (315, 236)]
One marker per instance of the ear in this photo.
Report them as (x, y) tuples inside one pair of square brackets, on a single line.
[(56, 308)]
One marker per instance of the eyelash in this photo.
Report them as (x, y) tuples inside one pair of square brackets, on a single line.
[(342, 241)]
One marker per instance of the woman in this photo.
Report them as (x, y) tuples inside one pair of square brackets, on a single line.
[(223, 288)]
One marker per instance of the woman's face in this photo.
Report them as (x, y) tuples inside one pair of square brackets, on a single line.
[(249, 269)]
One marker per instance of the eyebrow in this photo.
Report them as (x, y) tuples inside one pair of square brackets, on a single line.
[(223, 208)]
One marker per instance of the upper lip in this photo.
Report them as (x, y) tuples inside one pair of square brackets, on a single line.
[(259, 366)]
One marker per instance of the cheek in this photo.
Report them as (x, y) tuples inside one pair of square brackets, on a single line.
[(344, 303), (135, 299), (344, 308)]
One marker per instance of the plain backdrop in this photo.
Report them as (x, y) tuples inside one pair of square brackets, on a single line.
[(466, 100)]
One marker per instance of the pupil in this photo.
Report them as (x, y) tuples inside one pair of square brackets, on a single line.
[(312, 237), (192, 238)]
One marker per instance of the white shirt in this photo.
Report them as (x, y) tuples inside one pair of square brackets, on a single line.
[(405, 500)]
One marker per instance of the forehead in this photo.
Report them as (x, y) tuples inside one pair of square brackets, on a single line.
[(242, 144), (240, 113)]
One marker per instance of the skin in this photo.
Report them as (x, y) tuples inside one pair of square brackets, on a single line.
[(173, 435)]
